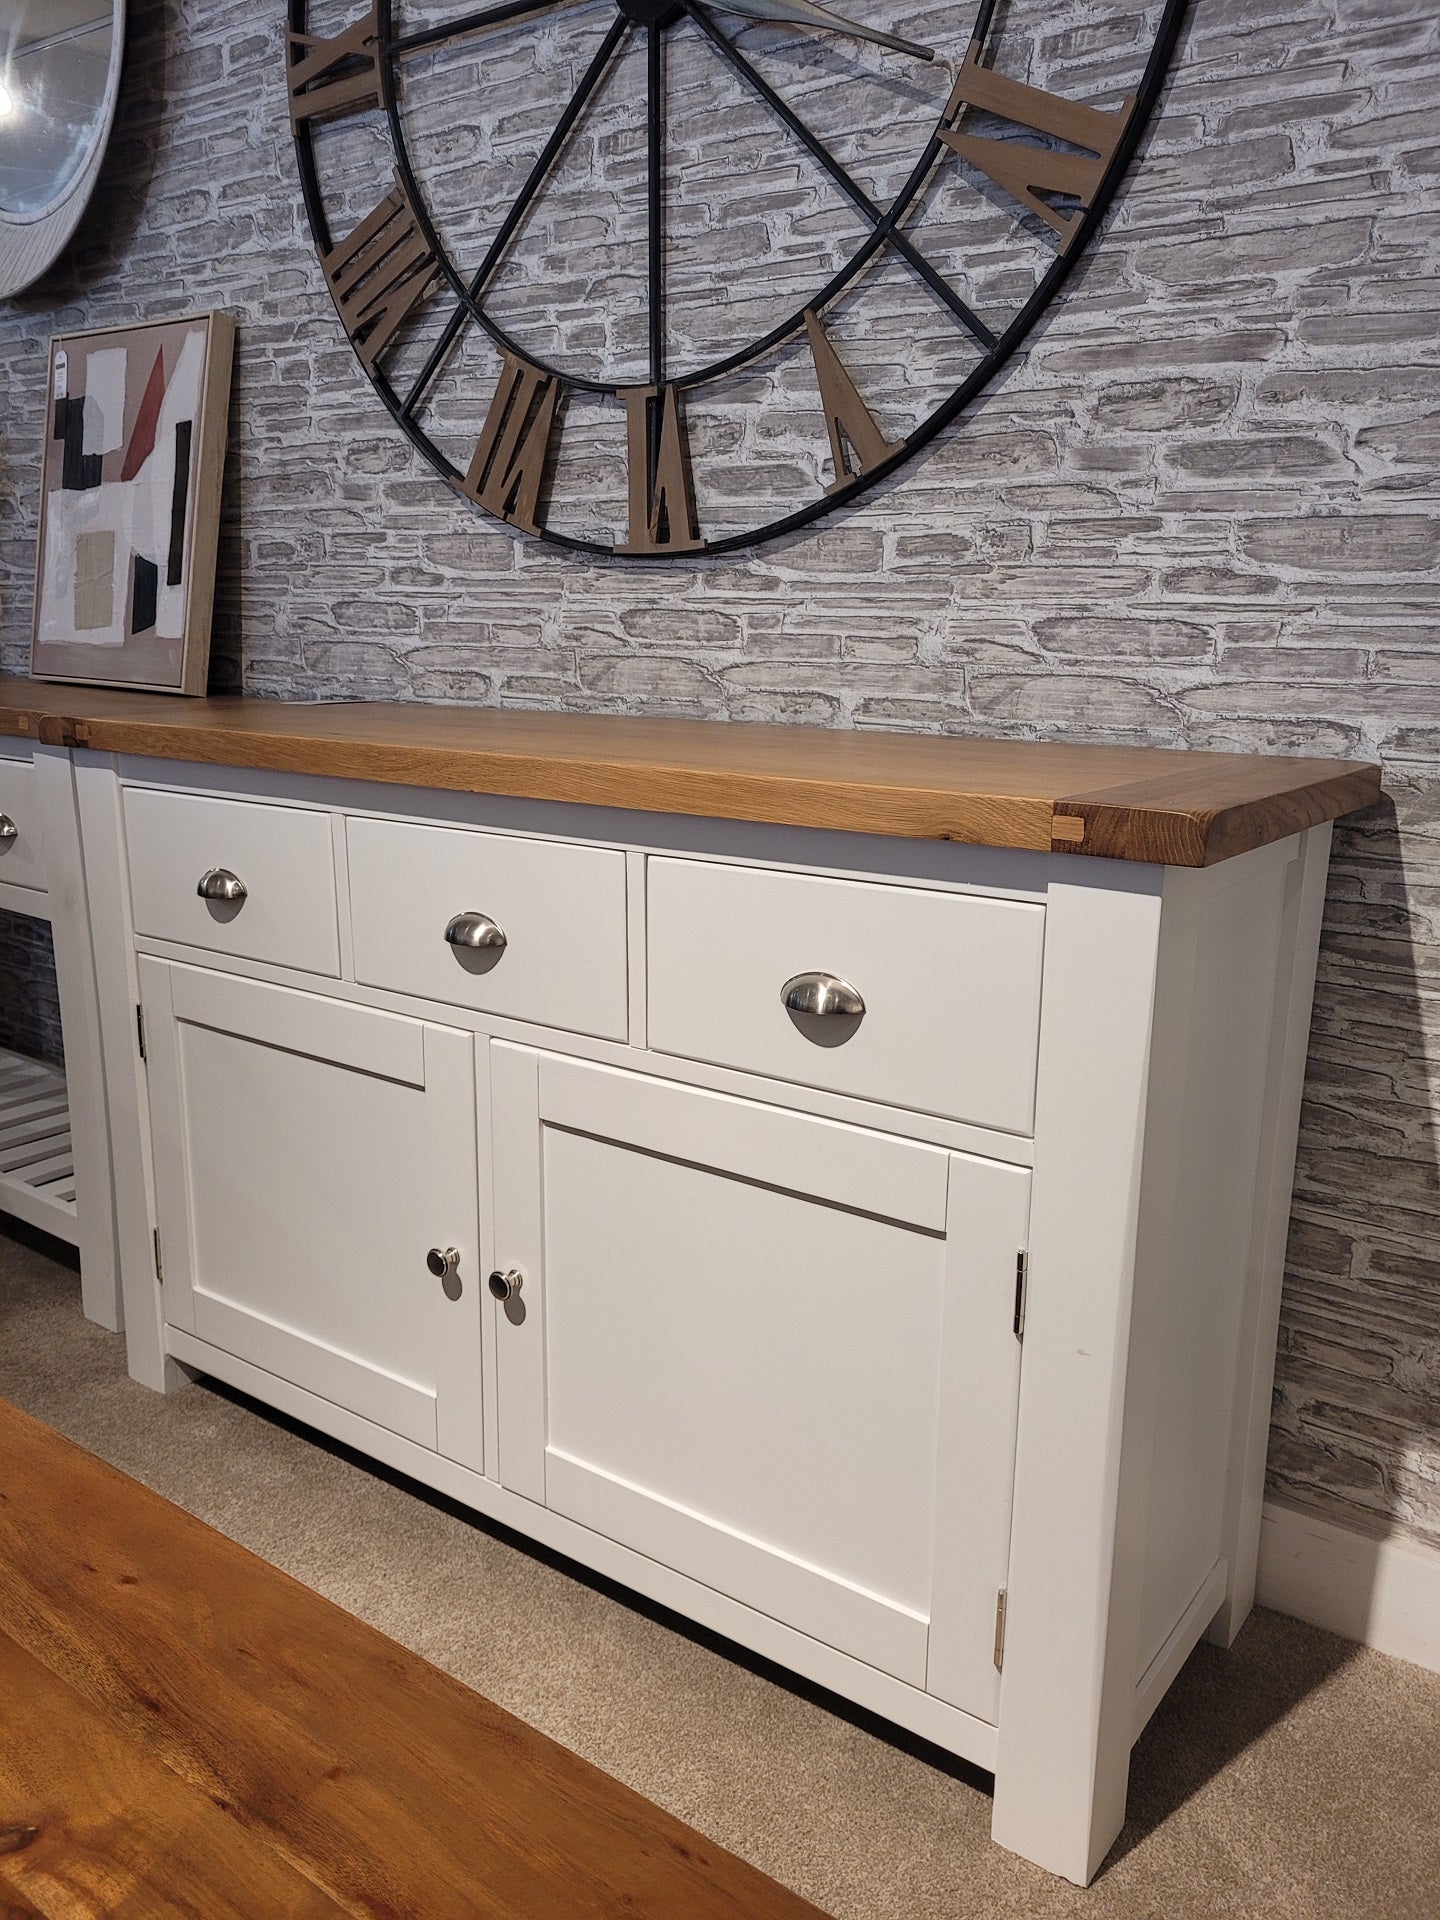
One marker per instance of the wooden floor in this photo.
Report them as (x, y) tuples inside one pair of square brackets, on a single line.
[(186, 1731)]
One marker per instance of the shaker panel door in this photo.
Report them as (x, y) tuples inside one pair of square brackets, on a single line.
[(739, 1346), (308, 1155)]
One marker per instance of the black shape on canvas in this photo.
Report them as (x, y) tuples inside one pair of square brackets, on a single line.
[(145, 595), (175, 565), (80, 471)]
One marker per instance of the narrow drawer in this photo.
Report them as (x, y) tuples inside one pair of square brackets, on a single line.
[(555, 914), (950, 986), (281, 856), (20, 861)]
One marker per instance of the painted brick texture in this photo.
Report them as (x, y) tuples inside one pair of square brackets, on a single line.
[(1199, 511)]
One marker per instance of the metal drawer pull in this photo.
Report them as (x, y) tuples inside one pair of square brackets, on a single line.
[(505, 1286), (220, 884), (822, 994), (444, 1263), (8, 830), (475, 931)]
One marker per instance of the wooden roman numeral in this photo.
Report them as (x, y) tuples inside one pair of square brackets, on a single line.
[(662, 503), (856, 443), (509, 464), (1028, 172), (332, 76), (379, 274)]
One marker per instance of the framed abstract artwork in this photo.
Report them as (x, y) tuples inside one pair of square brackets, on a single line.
[(133, 461)]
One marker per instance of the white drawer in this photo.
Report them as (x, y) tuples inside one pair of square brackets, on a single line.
[(20, 861), (950, 984), (281, 855), (560, 908)]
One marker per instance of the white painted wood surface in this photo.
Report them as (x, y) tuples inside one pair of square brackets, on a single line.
[(22, 860), (37, 1160), (308, 1155), (1067, 1687), (1286, 1043), (67, 897), (282, 855), (99, 799), (1382, 1592), (764, 1364), (561, 908), (951, 985)]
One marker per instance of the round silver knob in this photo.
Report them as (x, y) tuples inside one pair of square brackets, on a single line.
[(476, 932), (823, 995), (505, 1286), (8, 830), (220, 884), (444, 1263)]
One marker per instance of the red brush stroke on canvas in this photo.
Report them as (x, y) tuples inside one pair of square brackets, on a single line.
[(142, 440)]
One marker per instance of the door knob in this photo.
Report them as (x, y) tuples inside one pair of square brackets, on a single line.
[(444, 1263), (8, 830), (505, 1286), (476, 932), (220, 884)]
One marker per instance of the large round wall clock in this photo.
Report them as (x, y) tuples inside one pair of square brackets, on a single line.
[(661, 277)]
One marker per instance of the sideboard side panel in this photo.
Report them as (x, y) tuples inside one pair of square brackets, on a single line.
[(1068, 1679)]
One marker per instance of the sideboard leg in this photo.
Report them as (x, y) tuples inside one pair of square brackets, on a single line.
[(100, 1291), (98, 794), (1275, 1179), (1067, 1689)]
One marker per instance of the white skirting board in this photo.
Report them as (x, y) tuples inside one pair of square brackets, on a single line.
[(1385, 1593)]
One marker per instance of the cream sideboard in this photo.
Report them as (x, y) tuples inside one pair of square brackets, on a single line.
[(835, 1186)]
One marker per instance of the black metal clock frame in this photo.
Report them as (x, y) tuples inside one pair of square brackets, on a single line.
[(885, 231)]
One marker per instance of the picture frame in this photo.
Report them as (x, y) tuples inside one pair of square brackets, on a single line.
[(132, 466)]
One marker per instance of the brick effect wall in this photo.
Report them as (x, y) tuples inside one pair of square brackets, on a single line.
[(1200, 511)]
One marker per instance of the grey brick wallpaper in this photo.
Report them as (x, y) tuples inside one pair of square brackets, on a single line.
[(1200, 511)]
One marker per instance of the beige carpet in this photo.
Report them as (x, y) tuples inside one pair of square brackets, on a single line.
[(1294, 1778)]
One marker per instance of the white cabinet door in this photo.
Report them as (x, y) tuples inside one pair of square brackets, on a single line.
[(308, 1154), (770, 1351)]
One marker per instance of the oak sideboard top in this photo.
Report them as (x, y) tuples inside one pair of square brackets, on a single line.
[(1176, 807)]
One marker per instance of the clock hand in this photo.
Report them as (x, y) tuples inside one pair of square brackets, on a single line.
[(806, 13)]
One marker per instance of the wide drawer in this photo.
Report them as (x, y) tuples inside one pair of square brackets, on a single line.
[(281, 856), (20, 861), (950, 985), (556, 915)]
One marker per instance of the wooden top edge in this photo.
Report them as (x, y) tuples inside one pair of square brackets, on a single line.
[(1175, 807)]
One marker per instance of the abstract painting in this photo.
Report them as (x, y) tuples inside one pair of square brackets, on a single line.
[(130, 504)]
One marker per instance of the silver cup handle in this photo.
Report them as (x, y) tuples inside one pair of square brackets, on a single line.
[(476, 932), (824, 995), (220, 884)]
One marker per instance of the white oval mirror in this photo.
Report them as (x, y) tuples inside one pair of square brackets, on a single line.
[(59, 80)]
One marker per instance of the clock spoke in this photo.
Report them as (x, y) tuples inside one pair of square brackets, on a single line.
[(655, 213), (534, 180), (842, 177), (492, 16), (550, 152)]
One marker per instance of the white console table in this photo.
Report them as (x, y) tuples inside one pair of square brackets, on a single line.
[(835, 1185)]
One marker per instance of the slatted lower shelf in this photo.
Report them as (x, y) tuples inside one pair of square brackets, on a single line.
[(37, 1165)]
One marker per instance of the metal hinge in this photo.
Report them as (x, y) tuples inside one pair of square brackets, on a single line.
[(140, 1031), (1022, 1288), (1000, 1629), (159, 1263)]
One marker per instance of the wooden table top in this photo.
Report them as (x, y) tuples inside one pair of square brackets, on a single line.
[(186, 1730), (1178, 808)]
